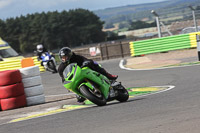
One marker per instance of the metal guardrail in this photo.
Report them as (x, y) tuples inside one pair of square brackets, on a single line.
[(106, 51), (163, 44)]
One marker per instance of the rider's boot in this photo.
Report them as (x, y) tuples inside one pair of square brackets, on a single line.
[(80, 99), (111, 77), (105, 73)]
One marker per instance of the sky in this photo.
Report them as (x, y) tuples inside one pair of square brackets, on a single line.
[(13, 8)]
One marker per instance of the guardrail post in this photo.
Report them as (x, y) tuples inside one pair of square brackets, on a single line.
[(198, 46), (101, 55), (107, 56), (121, 48)]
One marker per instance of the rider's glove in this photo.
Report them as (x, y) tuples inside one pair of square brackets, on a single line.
[(86, 64)]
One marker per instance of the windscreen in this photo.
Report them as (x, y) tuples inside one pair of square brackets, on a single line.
[(9, 52), (68, 70)]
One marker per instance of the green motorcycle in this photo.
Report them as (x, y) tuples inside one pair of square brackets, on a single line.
[(92, 85)]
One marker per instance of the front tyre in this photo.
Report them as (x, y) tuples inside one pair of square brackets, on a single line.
[(122, 95), (90, 95), (52, 66)]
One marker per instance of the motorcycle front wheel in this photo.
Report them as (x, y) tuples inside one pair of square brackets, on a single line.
[(97, 99), (52, 66)]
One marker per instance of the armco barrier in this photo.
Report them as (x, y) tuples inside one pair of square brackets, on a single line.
[(163, 44), (16, 64)]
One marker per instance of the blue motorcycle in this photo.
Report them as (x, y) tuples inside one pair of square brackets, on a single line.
[(49, 63)]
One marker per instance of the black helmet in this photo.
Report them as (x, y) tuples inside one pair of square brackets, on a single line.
[(65, 51)]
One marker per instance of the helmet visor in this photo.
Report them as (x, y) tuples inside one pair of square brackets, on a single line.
[(64, 58), (40, 49)]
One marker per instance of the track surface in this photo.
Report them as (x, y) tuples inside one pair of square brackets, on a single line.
[(177, 110)]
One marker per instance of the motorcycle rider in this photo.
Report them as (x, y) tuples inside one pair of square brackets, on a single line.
[(67, 56), (40, 50)]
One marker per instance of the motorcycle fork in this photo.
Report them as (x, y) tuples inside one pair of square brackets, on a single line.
[(94, 85)]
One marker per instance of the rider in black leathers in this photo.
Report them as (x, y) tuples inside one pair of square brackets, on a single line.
[(67, 56)]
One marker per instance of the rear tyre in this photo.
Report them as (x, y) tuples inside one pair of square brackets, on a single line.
[(13, 90), (13, 103), (54, 67), (29, 71), (122, 95), (90, 95), (10, 77), (32, 81), (35, 100)]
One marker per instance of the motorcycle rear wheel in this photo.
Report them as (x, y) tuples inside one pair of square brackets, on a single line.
[(90, 95)]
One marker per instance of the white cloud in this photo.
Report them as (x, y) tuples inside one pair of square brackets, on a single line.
[(4, 3)]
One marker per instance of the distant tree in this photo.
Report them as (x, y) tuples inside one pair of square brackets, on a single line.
[(140, 24), (113, 36), (2, 28), (109, 25), (53, 29), (124, 25), (198, 8)]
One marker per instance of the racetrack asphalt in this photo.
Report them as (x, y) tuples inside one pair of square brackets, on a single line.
[(151, 61)]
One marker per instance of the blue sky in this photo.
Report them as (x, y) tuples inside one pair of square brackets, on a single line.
[(13, 8)]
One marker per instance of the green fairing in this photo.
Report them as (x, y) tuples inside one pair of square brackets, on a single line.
[(76, 76)]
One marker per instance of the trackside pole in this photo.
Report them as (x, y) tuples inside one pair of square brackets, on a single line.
[(198, 46)]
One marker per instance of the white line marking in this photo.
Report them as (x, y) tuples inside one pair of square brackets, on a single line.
[(170, 87), (47, 112), (121, 65), (56, 110)]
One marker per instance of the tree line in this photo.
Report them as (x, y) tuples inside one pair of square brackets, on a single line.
[(52, 29)]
